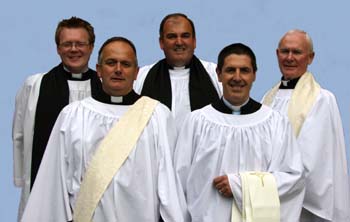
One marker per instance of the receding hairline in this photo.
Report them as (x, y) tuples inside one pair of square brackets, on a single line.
[(116, 39), (176, 16), (307, 37)]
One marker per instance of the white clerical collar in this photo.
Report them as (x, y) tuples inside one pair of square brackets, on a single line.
[(179, 68), (76, 75), (236, 110), (284, 82), (116, 99)]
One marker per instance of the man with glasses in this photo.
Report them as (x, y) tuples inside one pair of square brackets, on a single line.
[(315, 118), (42, 97)]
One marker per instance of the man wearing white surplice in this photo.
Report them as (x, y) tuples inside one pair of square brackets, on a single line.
[(72, 171), (314, 115), (235, 137)]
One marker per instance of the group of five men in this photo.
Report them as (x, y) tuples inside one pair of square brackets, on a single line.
[(200, 150)]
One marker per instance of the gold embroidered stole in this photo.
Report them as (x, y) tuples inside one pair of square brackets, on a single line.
[(260, 199), (303, 97), (110, 155)]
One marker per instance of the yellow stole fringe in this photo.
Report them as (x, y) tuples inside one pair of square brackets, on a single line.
[(260, 199), (303, 97)]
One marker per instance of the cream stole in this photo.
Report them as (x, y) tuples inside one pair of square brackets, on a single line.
[(110, 155), (303, 97), (260, 199)]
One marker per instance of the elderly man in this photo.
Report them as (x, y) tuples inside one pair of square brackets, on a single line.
[(314, 115), (230, 148), (43, 96), (181, 81), (109, 156)]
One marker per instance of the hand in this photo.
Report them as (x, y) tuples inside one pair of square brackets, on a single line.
[(222, 184)]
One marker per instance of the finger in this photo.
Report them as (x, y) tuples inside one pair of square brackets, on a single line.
[(218, 179)]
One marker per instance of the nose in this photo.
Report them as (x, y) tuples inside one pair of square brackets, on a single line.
[(290, 55), (237, 76), (179, 40), (74, 47), (118, 68)]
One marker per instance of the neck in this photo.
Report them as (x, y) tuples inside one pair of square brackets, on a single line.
[(236, 106), (78, 71), (117, 93)]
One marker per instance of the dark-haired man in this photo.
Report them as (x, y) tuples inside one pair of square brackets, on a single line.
[(181, 81), (237, 158), (43, 96), (109, 156)]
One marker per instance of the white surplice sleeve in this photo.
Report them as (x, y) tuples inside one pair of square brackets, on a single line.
[(169, 197), (322, 143), (23, 126), (22, 135), (49, 199), (183, 159)]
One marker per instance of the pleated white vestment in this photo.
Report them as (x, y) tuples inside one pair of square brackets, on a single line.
[(212, 144), (321, 142), (23, 128), (143, 188), (179, 79)]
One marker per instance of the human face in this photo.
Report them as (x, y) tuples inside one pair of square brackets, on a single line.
[(118, 68), (177, 41), (237, 77), (294, 55), (74, 49)]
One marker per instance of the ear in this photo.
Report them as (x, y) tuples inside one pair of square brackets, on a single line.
[(136, 72), (98, 70), (311, 58), (161, 43), (58, 50), (218, 72)]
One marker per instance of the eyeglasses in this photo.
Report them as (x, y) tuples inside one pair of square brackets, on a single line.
[(78, 45)]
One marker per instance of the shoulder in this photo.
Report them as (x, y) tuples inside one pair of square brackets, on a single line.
[(33, 79), (162, 109), (146, 68), (74, 107), (209, 66), (30, 87), (141, 76), (203, 114), (326, 97), (274, 116)]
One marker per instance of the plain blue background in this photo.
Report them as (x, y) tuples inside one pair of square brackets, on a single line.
[(27, 46)]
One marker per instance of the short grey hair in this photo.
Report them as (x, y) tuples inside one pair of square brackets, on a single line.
[(307, 36)]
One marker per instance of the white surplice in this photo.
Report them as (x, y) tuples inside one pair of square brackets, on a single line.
[(211, 144), (23, 128), (143, 188), (321, 141), (179, 78)]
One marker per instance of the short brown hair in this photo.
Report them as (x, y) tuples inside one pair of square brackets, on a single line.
[(175, 15), (75, 22)]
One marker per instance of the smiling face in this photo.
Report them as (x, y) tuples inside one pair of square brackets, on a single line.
[(177, 41), (74, 49), (118, 68), (294, 54), (237, 76)]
